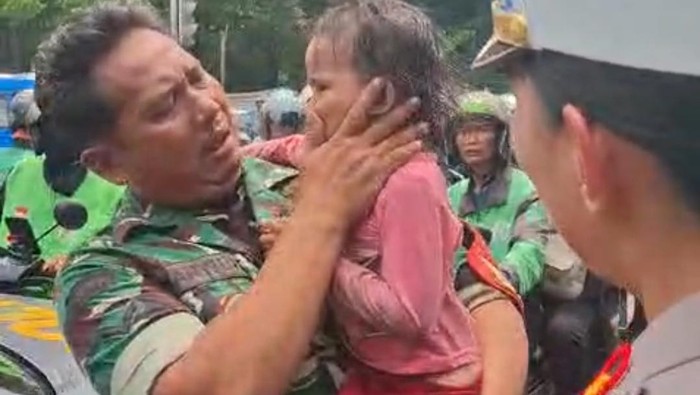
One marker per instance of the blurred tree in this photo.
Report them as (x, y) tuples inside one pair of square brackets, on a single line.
[(264, 39), (265, 43), (24, 23)]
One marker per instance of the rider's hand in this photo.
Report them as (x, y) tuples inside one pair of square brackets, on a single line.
[(343, 175)]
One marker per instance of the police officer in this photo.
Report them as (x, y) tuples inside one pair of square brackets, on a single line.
[(607, 128)]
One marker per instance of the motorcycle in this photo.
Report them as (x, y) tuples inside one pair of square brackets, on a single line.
[(618, 317), (34, 357)]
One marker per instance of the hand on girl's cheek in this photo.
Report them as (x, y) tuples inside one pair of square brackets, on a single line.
[(315, 131), (315, 134)]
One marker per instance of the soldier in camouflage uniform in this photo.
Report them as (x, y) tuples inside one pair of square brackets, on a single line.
[(188, 268), (173, 297)]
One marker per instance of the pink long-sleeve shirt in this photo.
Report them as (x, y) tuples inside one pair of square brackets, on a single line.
[(392, 292)]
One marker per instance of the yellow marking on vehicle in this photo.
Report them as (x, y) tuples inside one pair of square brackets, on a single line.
[(34, 322)]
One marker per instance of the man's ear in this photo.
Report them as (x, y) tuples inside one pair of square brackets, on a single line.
[(104, 162), (590, 155), (386, 101)]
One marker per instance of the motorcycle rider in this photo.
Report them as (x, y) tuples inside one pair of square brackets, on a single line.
[(495, 196), (608, 132), (501, 200), (24, 115), (38, 182), (282, 114)]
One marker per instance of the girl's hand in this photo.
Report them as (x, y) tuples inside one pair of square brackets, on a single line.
[(269, 231), (54, 265)]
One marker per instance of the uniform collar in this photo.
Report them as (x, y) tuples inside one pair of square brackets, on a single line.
[(260, 175), (257, 176), (669, 340)]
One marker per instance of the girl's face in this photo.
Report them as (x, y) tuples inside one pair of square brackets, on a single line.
[(335, 83)]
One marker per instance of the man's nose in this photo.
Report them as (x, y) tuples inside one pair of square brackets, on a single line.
[(469, 137), (206, 106)]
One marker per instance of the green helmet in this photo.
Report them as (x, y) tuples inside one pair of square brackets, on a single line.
[(484, 103)]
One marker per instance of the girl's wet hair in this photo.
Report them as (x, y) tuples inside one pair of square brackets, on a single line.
[(397, 41)]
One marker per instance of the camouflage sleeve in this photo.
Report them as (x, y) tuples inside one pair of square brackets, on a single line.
[(123, 329)]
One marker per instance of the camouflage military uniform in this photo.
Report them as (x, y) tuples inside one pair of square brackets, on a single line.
[(133, 300)]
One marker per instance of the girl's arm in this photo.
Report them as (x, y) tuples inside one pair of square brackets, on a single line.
[(287, 151), (404, 297)]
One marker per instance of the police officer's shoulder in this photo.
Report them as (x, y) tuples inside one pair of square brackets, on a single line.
[(666, 356), (682, 379)]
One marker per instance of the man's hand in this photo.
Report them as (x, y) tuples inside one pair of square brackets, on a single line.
[(343, 175), (259, 344)]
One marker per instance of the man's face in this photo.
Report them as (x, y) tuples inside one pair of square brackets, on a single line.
[(550, 156), (175, 141), (335, 83), (476, 142)]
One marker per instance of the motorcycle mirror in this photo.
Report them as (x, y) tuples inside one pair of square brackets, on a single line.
[(70, 215)]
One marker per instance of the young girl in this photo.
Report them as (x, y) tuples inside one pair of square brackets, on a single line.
[(392, 295)]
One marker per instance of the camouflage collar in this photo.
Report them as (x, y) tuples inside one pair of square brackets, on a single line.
[(134, 214), (260, 175), (257, 176)]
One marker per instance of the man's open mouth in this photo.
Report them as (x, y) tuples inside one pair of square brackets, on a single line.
[(220, 131)]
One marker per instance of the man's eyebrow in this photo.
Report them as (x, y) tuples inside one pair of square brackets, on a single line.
[(160, 88)]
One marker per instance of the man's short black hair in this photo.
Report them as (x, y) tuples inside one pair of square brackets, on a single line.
[(74, 112), (659, 112)]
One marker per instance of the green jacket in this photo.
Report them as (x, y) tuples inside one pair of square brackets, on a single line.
[(9, 157), (132, 301), (509, 208), (26, 187)]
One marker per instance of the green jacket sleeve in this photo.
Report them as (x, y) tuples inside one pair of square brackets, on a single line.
[(526, 256)]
